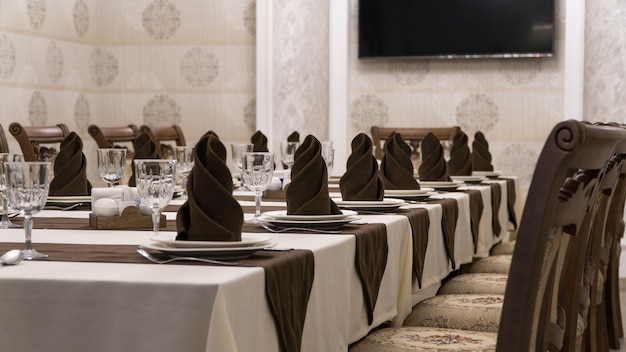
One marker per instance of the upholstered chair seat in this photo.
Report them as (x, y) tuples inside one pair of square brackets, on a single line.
[(493, 264), (477, 283), (415, 338), (503, 248), (465, 312)]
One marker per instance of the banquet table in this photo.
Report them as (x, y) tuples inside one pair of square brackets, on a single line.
[(58, 305)]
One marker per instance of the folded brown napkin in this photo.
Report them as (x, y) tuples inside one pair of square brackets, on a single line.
[(145, 148), (259, 140), (396, 168), (361, 180), (307, 194), (210, 132), (496, 199), (70, 165), (460, 163), (481, 157), (210, 213), (433, 166), (511, 194)]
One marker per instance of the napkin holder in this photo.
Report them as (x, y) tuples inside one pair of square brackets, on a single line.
[(130, 219)]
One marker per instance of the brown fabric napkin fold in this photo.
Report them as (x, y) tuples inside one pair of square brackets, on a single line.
[(481, 157), (145, 148), (449, 218), (210, 133), (433, 166), (288, 279), (396, 168), (70, 165), (259, 140), (361, 180), (211, 213), (460, 163), (496, 199), (510, 197), (476, 212), (307, 194), (420, 222)]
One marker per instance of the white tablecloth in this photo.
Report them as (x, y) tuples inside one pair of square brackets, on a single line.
[(70, 306)]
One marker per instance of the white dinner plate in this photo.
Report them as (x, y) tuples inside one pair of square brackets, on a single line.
[(488, 173), (68, 199), (319, 224), (441, 185), (247, 240), (282, 215), (409, 192), (214, 253), (385, 205), (469, 179)]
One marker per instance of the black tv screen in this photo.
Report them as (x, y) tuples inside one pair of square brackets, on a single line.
[(456, 28)]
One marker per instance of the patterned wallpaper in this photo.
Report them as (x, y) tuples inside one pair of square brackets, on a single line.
[(514, 102), (115, 62), (193, 62)]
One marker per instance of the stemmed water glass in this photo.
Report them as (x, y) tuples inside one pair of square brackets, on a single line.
[(27, 190), (6, 223), (184, 159), (155, 180), (111, 164), (329, 158), (237, 151), (257, 171), (288, 151)]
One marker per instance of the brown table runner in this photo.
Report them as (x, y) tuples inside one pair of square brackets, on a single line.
[(510, 198), (496, 200), (449, 218), (476, 212), (420, 222), (288, 278), (370, 259), (78, 224)]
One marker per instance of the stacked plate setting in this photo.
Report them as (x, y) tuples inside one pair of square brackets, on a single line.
[(250, 243), (387, 205), (280, 218)]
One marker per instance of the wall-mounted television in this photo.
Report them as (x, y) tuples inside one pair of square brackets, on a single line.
[(456, 28)]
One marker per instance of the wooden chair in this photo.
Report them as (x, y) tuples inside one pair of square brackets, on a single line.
[(4, 144), (413, 136), (32, 140), (555, 229), (165, 134), (107, 137)]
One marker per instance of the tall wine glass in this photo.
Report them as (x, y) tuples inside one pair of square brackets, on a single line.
[(288, 150), (111, 164), (27, 190), (257, 171), (329, 158), (184, 164), (6, 222), (155, 180), (237, 151)]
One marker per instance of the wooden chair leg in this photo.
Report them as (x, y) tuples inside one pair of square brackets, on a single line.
[(613, 311)]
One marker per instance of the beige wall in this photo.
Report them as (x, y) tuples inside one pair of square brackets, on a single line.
[(115, 62), (192, 62)]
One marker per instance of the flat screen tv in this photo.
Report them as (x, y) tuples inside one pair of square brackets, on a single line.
[(456, 28)]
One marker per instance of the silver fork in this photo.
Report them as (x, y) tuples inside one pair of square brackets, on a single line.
[(58, 207), (154, 259), (284, 229)]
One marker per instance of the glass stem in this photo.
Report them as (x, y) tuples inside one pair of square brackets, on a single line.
[(257, 203), (184, 195), (5, 222), (156, 219), (28, 229)]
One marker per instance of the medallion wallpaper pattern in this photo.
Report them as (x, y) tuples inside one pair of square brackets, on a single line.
[(192, 62), (115, 62)]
